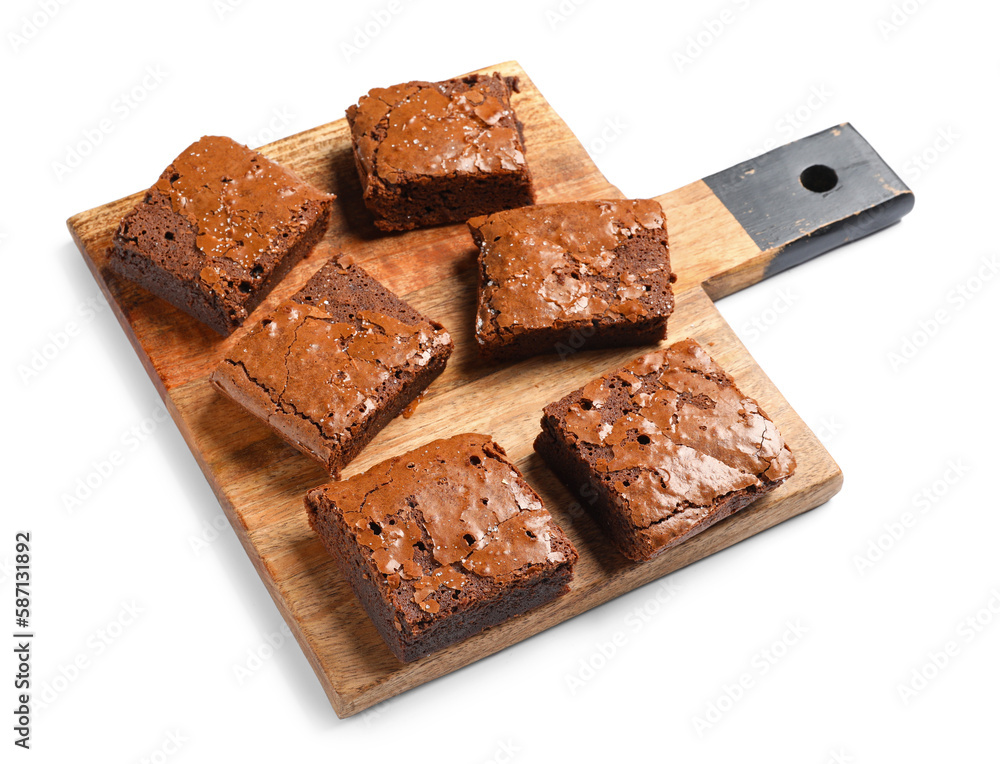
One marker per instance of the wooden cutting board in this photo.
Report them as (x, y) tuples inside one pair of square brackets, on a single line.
[(727, 232)]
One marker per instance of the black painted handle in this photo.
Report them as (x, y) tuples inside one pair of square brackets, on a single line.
[(810, 196)]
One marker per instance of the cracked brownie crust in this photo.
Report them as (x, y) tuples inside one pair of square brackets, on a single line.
[(330, 367), (439, 152), (220, 228), (662, 448), (442, 542), (572, 276)]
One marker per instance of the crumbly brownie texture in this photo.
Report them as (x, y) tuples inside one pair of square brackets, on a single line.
[(564, 277), (220, 228), (439, 152), (335, 364), (663, 448), (442, 542)]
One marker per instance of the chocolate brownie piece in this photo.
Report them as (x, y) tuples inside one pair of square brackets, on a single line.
[(220, 228), (571, 276), (439, 152), (662, 448), (442, 542), (332, 366)]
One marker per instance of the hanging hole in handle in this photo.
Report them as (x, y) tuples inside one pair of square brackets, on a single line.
[(818, 178)]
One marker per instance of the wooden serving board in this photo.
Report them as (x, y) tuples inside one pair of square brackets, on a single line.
[(727, 232)]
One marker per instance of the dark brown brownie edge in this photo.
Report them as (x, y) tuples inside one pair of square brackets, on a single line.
[(573, 338), (425, 201), (222, 313)]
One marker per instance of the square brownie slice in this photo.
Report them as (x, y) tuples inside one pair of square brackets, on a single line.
[(662, 448), (439, 152), (442, 542), (572, 276), (220, 228), (332, 366)]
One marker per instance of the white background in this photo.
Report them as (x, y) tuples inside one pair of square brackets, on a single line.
[(919, 81)]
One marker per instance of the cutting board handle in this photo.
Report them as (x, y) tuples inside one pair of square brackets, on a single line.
[(808, 197)]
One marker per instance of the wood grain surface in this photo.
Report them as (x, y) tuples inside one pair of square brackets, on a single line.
[(260, 481)]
